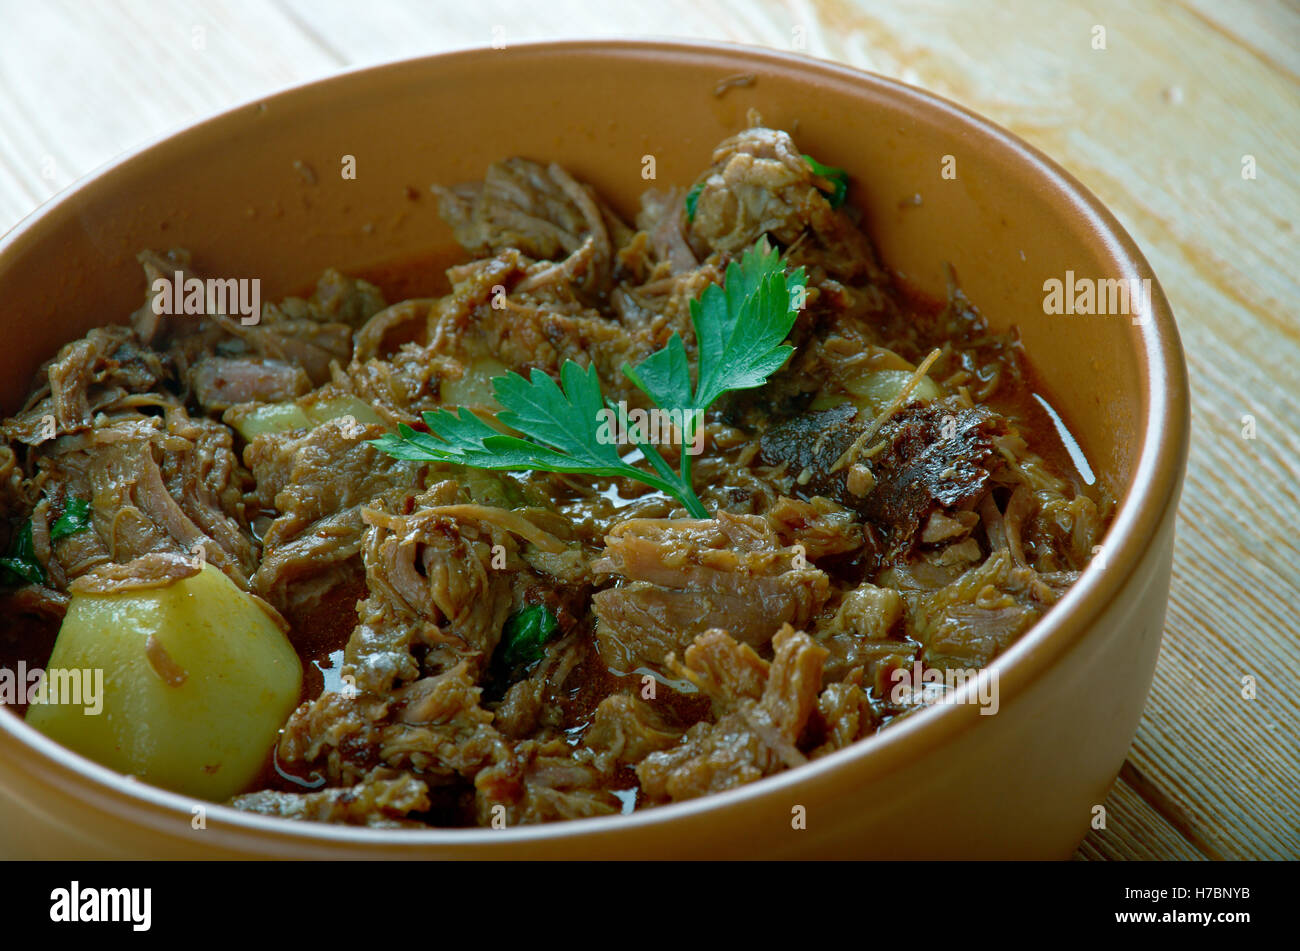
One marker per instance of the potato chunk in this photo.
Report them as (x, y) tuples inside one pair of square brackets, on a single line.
[(474, 388), (197, 681), (254, 419), (875, 391)]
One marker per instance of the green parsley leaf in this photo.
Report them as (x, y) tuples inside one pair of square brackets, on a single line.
[(525, 633), (740, 329), (692, 199), (20, 564), (561, 426), (75, 519), (838, 178)]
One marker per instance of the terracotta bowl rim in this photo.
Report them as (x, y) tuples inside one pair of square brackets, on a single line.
[(1153, 488)]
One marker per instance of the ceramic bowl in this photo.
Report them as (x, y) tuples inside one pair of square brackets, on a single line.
[(258, 191)]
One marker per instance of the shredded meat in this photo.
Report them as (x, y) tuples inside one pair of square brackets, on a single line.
[(167, 483), (543, 212), (89, 375), (628, 729), (506, 648), (970, 621), (382, 800), (317, 482), (760, 183), (762, 712), (681, 577), (221, 382), (431, 581), (542, 782), (154, 570)]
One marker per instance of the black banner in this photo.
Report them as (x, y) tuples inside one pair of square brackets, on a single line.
[(905, 901)]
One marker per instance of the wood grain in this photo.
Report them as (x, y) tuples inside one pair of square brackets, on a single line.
[(1157, 124)]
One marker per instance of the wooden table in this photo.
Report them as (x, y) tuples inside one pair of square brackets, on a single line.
[(1159, 124)]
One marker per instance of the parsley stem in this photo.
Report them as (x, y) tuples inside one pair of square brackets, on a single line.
[(679, 486), (688, 439), (693, 504)]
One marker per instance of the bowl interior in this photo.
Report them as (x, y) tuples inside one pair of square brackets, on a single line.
[(258, 192)]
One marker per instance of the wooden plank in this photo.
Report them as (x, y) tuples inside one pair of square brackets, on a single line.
[(1269, 29), (1135, 830), (85, 81)]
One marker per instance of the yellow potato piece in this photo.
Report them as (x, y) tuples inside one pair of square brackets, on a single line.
[(254, 419), (322, 408), (474, 388), (875, 391), (268, 418), (197, 681)]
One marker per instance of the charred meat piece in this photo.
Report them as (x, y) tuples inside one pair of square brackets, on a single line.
[(928, 456)]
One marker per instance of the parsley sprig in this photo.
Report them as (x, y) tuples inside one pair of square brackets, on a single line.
[(692, 199), (20, 565), (76, 518), (555, 438), (740, 328), (525, 635), (838, 178)]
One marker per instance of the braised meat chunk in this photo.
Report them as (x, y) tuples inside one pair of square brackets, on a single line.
[(681, 577)]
